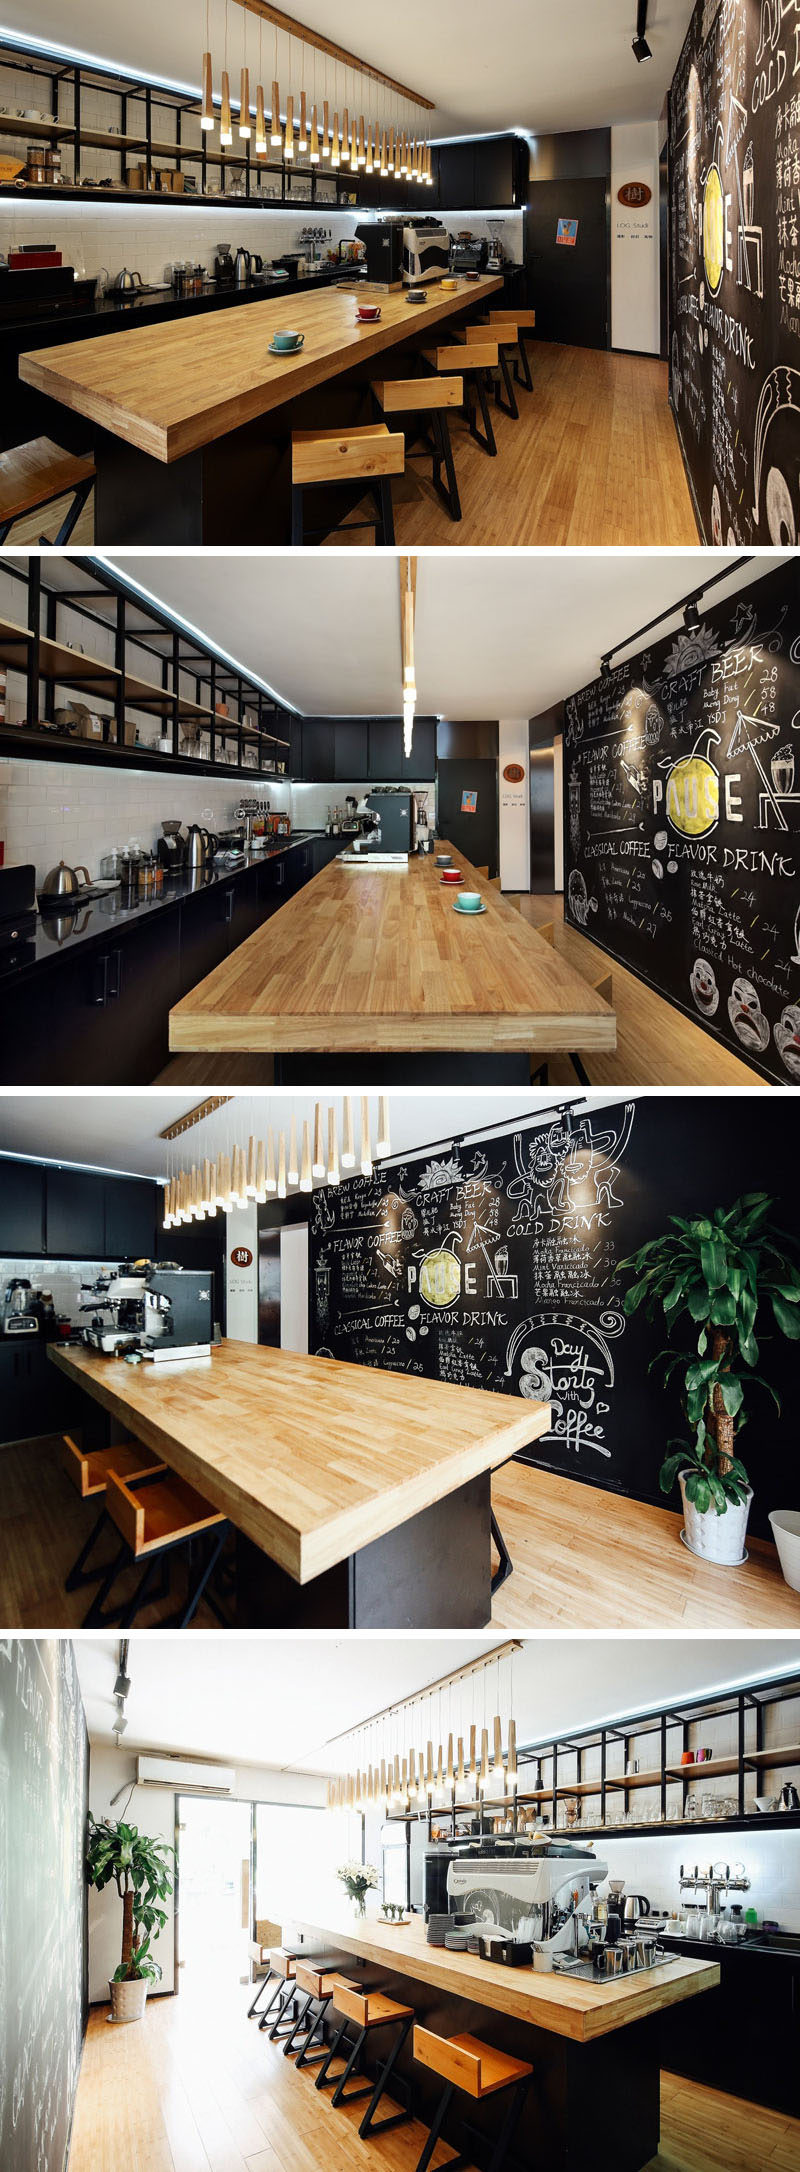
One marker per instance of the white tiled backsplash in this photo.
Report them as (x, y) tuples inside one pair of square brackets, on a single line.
[(62, 1277), (771, 1861), (148, 238), (51, 811)]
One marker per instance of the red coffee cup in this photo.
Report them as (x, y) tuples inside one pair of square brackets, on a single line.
[(368, 312)]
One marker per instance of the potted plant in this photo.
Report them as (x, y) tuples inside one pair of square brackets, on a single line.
[(143, 1878), (358, 1879), (716, 1274)]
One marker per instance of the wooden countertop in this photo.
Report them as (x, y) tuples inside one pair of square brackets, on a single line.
[(575, 2009), (311, 1458), (380, 960), (170, 388)]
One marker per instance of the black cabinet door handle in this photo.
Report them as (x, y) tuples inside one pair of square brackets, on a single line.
[(100, 982), (114, 976), (228, 905)]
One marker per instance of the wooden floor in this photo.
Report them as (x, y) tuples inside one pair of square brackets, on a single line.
[(195, 2087), (583, 1559), (593, 459)]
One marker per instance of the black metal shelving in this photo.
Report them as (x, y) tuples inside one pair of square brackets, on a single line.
[(747, 1704), (33, 647)]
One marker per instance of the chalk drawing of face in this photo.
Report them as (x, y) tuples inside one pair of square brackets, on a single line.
[(704, 987), (580, 903), (746, 1015), (787, 1039)]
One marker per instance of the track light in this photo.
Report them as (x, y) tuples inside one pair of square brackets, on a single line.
[(642, 49), (691, 617), (640, 45), (122, 1684), (605, 668)]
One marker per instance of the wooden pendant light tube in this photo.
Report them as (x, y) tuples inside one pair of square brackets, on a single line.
[(282, 1169), (391, 151), (271, 1178), (430, 1782), (412, 1775), (333, 1149), (348, 1151), (251, 1186), (499, 1762), (292, 1172), (366, 1156), (384, 168), (335, 153), (382, 1143), (261, 123), (302, 140), (314, 151), (512, 1775), (473, 1763), (225, 128), (207, 115), (461, 1776), (326, 147), (318, 1165), (261, 1174), (244, 105), (449, 1773), (345, 134), (288, 144), (275, 118), (212, 1188), (486, 1778), (306, 1183)]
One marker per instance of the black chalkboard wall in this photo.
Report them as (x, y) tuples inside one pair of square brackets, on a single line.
[(43, 1941), (734, 267), (497, 1266), (682, 820)]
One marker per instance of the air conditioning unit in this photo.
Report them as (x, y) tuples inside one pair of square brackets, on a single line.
[(185, 1774)]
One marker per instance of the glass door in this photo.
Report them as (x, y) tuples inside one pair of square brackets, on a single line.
[(214, 1848)]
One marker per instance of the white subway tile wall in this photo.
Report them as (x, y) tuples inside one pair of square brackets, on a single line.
[(771, 1862), (63, 1278)]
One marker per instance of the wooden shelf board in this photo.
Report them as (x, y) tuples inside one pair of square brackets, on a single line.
[(711, 1768), (14, 124), (787, 1753), (49, 746), (634, 1779)]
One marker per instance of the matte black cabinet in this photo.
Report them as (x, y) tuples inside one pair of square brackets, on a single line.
[(319, 750), (98, 1017), (365, 750), (21, 1208), (743, 2038), (387, 760), (350, 755), (76, 1223), (490, 174), (326, 849), (130, 1218), (35, 1398)]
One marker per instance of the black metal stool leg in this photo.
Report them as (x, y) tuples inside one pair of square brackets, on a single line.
[(506, 1567), (440, 2116), (79, 1574), (297, 514), (186, 1614), (307, 1998), (74, 511), (306, 2055), (288, 2027), (369, 2124), (522, 367), (130, 1612), (324, 2076), (262, 1986), (507, 2131), (450, 493), (505, 400), (349, 2069), (286, 1993), (383, 498), (486, 437), (95, 1618), (580, 1070)]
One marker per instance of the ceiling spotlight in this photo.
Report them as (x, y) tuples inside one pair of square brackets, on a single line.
[(122, 1684), (119, 1723), (691, 617), (640, 45), (605, 668)]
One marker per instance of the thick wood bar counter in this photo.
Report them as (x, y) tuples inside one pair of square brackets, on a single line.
[(594, 2097), (365, 960), (362, 1498), (191, 396)]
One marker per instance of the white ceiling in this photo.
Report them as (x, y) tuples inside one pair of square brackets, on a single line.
[(497, 634), (264, 1701), (119, 1130), (525, 63)]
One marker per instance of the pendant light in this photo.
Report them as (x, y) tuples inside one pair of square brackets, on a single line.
[(450, 1772), (282, 1169), (306, 1184), (368, 157), (335, 152), (251, 1185), (326, 146), (485, 1775), (318, 1165), (412, 1776), (366, 1157), (461, 1777), (288, 144), (207, 109), (390, 159), (225, 126), (472, 1774), (271, 1179), (261, 1176), (345, 153), (302, 140), (512, 1775), (382, 1143), (275, 116), (333, 1150), (292, 1173), (498, 1766), (314, 139), (244, 105), (348, 1151), (261, 123)]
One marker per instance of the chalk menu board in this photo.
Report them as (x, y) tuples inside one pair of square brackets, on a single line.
[(43, 1946), (497, 1266), (682, 820), (734, 271)]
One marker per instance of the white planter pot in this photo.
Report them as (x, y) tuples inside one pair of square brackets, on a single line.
[(786, 1533), (713, 1537), (128, 1999)]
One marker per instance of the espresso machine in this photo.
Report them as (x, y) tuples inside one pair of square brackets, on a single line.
[(19, 1315), (533, 1893), (163, 1312)]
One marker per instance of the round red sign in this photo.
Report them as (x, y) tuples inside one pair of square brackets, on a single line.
[(635, 194), (514, 773), (241, 1257)]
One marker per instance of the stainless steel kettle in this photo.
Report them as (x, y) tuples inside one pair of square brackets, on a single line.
[(636, 1904), (197, 846), (64, 882), (242, 267), (127, 282)]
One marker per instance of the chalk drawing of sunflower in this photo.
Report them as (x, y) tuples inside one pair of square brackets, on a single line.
[(690, 649)]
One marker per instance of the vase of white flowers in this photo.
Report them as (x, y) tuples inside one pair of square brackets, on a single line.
[(358, 1879)]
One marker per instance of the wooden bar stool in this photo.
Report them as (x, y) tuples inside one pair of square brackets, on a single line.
[(422, 397), (523, 320), (476, 2070), (368, 2010), (365, 458), (89, 1469), (158, 1516), (473, 365), (475, 335), (317, 1981), (34, 475)]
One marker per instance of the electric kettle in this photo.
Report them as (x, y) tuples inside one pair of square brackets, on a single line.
[(636, 1904), (63, 883)]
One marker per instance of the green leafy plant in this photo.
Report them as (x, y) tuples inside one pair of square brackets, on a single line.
[(719, 1272), (143, 1877)]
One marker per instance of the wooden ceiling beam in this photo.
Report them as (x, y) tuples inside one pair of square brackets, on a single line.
[(295, 29), (195, 1116)]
